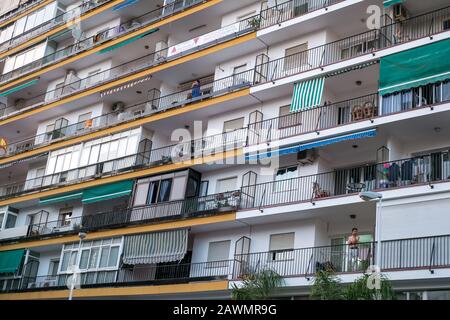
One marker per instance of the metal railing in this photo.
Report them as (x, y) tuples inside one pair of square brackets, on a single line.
[(354, 46), (99, 38), (425, 169), (291, 9), (121, 71), (416, 253), (158, 104), (52, 23), (315, 119), (396, 255), (306, 261), (158, 156), (178, 209), (169, 273)]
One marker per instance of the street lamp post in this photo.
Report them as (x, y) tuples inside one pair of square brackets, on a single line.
[(81, 235), (370, 196)]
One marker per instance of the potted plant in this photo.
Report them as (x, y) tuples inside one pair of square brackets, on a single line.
[(254, 22), (222, 203)]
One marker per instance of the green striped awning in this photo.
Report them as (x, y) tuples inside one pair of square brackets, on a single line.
[(61, 197), (108, 191), (415, 67), (307, 94), (22, 86), (388, 3), (10, 260)]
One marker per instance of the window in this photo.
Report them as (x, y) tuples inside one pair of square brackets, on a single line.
[(295, 56), (287, 118), (233, 125), (284, 178), (82, 120), (238, 75), (281, 246), (159, 191), (95, 255), (65, 216), (7, 220), (53, 268), (219, 251), (225, 185), (38, 179)]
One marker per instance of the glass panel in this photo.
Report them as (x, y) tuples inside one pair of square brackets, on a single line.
[(104, 257), (94, 258), (164, 190), (10, 221), (113, 257), (84, 259)]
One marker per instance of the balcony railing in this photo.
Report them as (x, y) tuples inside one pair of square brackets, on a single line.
[(52, 23), (156, 104), (396, 255), (125, 69), (425, 169), (171, 210), (291, 9), (103, 36), (128, 276), (170, 154), (28, 5), (307, 261), (312, 120), (354, 46)]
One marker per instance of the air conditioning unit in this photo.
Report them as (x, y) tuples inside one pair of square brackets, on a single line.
[(306, 156), (399, 12), (118, 107)]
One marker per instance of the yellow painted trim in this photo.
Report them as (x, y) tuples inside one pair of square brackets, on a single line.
[(59, 29), (193, 287), (15, 18), (133, 77), (125, 176), (111, 43), (127, 125), (227, 217)]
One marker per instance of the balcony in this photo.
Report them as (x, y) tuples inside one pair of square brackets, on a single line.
[(28, 5), (344, 182), (100, 38), (165, 211), (153, 59), (147, 108), (59, 20), (427, 253), (183, 152), (393, 34)]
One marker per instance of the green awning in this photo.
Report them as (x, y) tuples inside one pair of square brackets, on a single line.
[(415, 67), (389, 3), (61, 197), (22, 86), (126, 42), (307, 94), (106, 192), (10, 260)]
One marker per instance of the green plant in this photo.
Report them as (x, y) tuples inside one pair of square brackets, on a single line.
[(257, 286), (326, 286), (254, 23), (359, 290)]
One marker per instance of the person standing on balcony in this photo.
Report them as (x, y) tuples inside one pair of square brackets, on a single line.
[(353, 242), (195, 89)]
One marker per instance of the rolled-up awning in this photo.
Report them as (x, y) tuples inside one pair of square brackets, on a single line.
[(61, 197), (311, 145), (415, 67), (157, 247), (108, 191), (388, 3), (307, 94), (10, 260)]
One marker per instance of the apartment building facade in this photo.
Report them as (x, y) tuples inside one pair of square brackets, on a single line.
[(194, 142)]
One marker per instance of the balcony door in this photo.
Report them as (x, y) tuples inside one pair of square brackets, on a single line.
[(343, 259)]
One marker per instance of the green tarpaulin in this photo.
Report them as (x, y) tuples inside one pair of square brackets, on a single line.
[(106, 192), (61, 197), (415, 67), (10, 260), (389, 3), (127, 42)]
